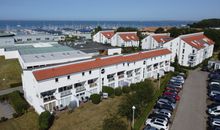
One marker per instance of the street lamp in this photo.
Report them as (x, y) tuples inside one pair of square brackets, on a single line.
[(133, 108)]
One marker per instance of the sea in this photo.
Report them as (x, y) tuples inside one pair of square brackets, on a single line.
[(22, 24)]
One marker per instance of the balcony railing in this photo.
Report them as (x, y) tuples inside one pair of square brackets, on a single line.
[(129, 75), (79, 89), (192, 55), (65, 93), (137, 73), (121, 76), (92, 85), (49, 98), (111, 79)]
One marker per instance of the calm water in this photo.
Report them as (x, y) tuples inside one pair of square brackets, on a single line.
[(88, 24)]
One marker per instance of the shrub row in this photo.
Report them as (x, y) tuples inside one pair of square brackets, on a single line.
[(18, 103), (45, 120)]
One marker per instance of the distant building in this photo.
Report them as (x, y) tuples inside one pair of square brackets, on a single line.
[(55, 87), (214, 64), (155, 40), (125, 39), (104, 36)]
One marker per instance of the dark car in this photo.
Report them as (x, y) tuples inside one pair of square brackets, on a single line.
[(215, 98), (164, 106), (171, 99), (213, 105), (150, 128), (213, 87)]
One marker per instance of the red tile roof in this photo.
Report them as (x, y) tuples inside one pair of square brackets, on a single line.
[(162, 38), (97, 63), (108, 34), (129, 36), (198, 41)]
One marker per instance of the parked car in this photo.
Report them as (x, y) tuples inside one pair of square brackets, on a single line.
[(214, 122), (171, 99), (165, 112), (172, 91), (163, 106), (159, 116), (215, 98), (213, 105), (172, 88), (214, 111), (150, 128), (157, 123), (213, 93), (175, 84), (166, 101), (172, 95)]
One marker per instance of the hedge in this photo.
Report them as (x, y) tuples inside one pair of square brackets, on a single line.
[(118, 91), (126, 89), (18, 103), (45, 120), (15, 85), (96, 98), (108, 90)]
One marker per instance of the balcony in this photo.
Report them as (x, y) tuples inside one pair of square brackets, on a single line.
[(48, 98), (137, 73), (155, 67), (111, 79), (65, 93), (192, 55), (121, 76), (129, 75), (80, 89), (192, 60), (92, 85)]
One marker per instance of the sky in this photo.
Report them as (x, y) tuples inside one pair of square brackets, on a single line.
[(125, 10)]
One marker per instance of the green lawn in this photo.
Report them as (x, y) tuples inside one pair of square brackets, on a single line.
[(10, 72), (28, 121)]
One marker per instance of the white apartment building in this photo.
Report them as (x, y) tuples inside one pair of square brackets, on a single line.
[(190, 49), (125, 39), (57, 86), (155, 40), (104, 36)]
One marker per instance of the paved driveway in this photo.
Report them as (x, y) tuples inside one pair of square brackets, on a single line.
[(6, 110), (190, 113)]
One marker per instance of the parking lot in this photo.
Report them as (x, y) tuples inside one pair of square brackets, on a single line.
[(191, 114)]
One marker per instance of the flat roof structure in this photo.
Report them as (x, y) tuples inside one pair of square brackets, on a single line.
[(91, 47)]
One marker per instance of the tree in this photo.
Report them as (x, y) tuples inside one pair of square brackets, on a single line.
[(108, 90), (176, 64), (96, 98), (45, 120), (97, 29), (219, 56), (159, 30), (118, 91), (114, 123)]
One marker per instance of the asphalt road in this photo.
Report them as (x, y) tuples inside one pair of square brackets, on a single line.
[(191, 111)]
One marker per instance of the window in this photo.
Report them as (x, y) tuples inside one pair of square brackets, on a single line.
[(103, 71), (38, 39), (83, 73), (128, 64), (183, 50), (56, 79), (193, 51), (90, 72), (123, 64), (47, 38), (29, 39), (68, 77), (144, 62)]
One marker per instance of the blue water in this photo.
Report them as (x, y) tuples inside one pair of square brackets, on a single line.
[(87, 24)]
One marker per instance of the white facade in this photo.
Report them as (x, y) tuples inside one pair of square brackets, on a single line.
[(151, 41), (103, 36), (125, 39), (84, 80), (191, 49)]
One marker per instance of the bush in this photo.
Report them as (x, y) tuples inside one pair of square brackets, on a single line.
[(108, 90), (15, 115), (96, 98), (118, 91), (45, 120), (3, 119), (126, 89), (114, 123), (18, 103), (15, 84)]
